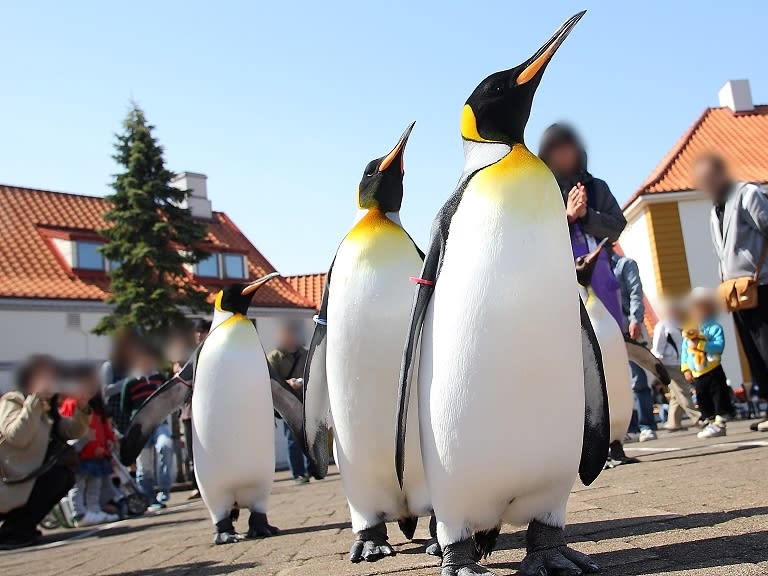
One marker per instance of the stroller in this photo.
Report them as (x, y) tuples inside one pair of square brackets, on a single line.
[(130, 502)]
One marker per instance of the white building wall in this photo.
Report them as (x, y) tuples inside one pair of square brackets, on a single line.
[(703, 271), (635, 243), (52, 328)]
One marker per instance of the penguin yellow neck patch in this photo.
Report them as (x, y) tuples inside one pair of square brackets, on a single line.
[(469, 125)]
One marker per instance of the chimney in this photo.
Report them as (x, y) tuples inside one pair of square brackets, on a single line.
[(737, 96), (197, 201)]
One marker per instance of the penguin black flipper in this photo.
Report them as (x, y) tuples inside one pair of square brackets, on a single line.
[(317, 407), (643, 357), (596, 417), (286, 403), (163, 402), (424, 290)]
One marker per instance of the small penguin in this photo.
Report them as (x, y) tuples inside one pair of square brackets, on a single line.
[(354, 360), (511, 390), (617, 351), (235, 394)]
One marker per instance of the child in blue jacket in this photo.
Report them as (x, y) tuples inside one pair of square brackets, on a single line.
[(703, 345)]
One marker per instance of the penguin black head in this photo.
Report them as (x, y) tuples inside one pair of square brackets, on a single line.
[(382, 183), (236, 298), (498, 109), (585, 265)]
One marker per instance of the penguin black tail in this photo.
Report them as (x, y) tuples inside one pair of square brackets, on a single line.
[(484, 542), (408, 526)]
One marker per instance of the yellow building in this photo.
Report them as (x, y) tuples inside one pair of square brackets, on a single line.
[(667, 229)]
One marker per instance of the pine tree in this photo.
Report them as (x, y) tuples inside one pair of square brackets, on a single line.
[(150, 238)]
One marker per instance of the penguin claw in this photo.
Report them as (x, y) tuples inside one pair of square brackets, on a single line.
[(371, 545), (434, 549), (262, 532), (227, 538), (468, 570)]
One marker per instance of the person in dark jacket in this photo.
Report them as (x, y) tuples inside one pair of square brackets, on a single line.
[(739, 228), (592, 211), (288, 360)]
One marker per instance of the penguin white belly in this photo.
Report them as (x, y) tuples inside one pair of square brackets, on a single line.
[(368, 318), (616, 365), (233, 420), (501, 380)]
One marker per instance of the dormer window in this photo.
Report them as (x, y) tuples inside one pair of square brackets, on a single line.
[(88, 256), (209, 267), (234, 266), (223, 265)]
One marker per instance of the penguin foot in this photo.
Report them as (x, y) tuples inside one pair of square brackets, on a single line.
[(433, 548), (617, 456), (258, 527), (227, 538), (371, 545), (548, 554), (225, 532), (459, 559)]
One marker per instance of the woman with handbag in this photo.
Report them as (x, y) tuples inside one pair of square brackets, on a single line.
[(739, 227), (34, 474)]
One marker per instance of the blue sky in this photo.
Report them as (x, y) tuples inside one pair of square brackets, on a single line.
[(282, 104)]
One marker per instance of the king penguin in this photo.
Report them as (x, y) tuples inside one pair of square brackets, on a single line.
[(512, 400), (617, 351), (354, 359), (235, 396)]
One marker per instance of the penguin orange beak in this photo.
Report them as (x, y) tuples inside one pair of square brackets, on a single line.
[(535, 65), (256, 284), (397, 151)]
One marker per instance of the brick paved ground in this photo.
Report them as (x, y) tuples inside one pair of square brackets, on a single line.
[(690, 508)]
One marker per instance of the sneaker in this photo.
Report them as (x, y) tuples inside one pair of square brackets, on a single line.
[(194, 496), (647, 434), (301, 480), (156, 507), (712, 431), (92, 518), (163, 497), (763, 426), (631, 437)]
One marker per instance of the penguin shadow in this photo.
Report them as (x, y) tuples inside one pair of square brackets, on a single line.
[(640, 559), (202, 568)]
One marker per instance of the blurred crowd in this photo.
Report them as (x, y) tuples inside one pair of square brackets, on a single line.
[(60, 426)]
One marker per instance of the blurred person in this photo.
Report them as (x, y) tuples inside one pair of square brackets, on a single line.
[(739, 228), (288, 360), (33, 435), (115, 372), (592, 211), (627, 272), (95, 466), (700, 362), (145, 379), (667, 344)]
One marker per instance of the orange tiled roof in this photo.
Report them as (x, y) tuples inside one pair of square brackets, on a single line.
[(741, 138), (310, 286), (31, 268)]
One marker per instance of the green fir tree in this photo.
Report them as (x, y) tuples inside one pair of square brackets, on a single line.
[(150, 238)]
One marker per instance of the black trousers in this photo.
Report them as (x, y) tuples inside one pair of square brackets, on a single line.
[(48, 489), (713, 394), (752, 326), (187, 423)]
